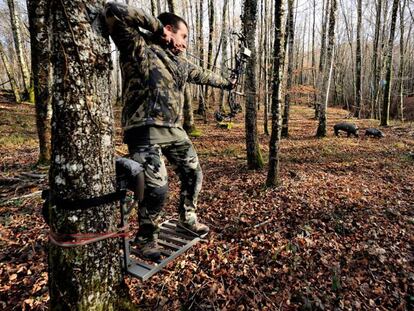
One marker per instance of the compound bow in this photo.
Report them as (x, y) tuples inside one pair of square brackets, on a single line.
[(242, 55)]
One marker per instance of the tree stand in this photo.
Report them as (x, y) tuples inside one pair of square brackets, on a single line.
[(173, 243)]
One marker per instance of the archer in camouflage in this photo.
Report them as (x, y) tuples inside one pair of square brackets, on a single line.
[(154, 74)]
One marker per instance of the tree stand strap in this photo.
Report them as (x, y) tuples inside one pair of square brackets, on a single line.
[(83, 204), (81, 239)]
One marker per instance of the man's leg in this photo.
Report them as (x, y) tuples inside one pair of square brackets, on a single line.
[(156, 187), (183, 157)]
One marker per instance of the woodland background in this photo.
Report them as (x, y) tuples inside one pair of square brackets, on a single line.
[(331, 229)]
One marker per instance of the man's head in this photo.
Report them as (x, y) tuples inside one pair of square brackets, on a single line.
[(175, 32)]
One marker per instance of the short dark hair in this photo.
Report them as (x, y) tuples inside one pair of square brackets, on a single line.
[(168, 18)]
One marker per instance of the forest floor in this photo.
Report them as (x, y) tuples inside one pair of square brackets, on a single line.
[(336, 234)]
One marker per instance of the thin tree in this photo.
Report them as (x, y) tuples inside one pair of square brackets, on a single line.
[(211, 21), (84, 277), (358, 63), (254, 156), (401, 68), (279, 59), (327, 75), (38, 11), (291, 41), (10, 74), (375, 54), (17, 38), (385, 115)]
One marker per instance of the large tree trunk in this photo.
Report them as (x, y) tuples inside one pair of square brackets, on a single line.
[(84, 277), (10, 74), (279, 59), (254, 156), (358, 64), (385, 115), (38, 11), (14, 20), (327, 74), (291, 41)]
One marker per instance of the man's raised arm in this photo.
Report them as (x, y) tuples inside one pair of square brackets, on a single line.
[(123, 22)]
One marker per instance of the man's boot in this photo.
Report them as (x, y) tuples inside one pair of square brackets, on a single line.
[(196, 228), (148, 248)]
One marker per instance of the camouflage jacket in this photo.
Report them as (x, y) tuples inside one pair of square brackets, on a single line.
[(153, 77)]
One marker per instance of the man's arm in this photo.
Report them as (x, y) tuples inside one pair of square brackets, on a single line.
[(123, 23), (198, 75)]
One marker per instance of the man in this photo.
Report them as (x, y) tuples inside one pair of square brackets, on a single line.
[(155, 72)]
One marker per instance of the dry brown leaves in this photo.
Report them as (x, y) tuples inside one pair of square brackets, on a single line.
[(337, 234)]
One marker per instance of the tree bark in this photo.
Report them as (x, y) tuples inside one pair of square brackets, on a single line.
[(224, 47), (279, 59), (84, 277), (375, 66), (327, 75), (358, 64), (385, 115), (14, 20), (291, 41), (211, 21), (401, 68), (254, 156), (38, 11), (10, 74), (172, 5)]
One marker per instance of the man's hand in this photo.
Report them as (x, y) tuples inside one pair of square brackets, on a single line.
[(233, 83)]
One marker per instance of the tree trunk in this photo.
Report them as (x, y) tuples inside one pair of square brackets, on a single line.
[(172, 5), (266, 69), (83, 277), (10, 74), (254, 156), (279, 59), (327, 75), (385, 115), (375, 65), (224, 46), (402, 60), (211, 18), (358, 64), (38, 11), (154, 11), (14, 20), (291, 41)]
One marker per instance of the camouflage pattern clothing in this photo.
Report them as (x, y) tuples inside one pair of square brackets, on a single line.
[(153, 96)]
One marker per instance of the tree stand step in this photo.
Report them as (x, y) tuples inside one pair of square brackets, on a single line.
[(173, 244)]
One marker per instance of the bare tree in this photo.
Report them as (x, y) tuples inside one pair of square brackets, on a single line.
[(10, 74), (42, 72), (358, 63), (326, 79), (401, 68), (385, 115), (15, 24), (254, 156), (279, 59), (291, 39)]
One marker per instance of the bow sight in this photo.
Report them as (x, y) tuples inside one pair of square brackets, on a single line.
[(242, 55)]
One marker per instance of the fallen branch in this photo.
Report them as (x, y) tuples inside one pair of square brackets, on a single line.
[(26, 196)]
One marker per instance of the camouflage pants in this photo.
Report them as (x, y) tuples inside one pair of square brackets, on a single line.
[(183, 157)]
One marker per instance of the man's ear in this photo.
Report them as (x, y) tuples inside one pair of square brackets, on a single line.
[(169, 28)]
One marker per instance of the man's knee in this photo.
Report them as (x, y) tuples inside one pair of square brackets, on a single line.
[(154, 198)]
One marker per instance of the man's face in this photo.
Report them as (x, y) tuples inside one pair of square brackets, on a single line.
[(179, 37)]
